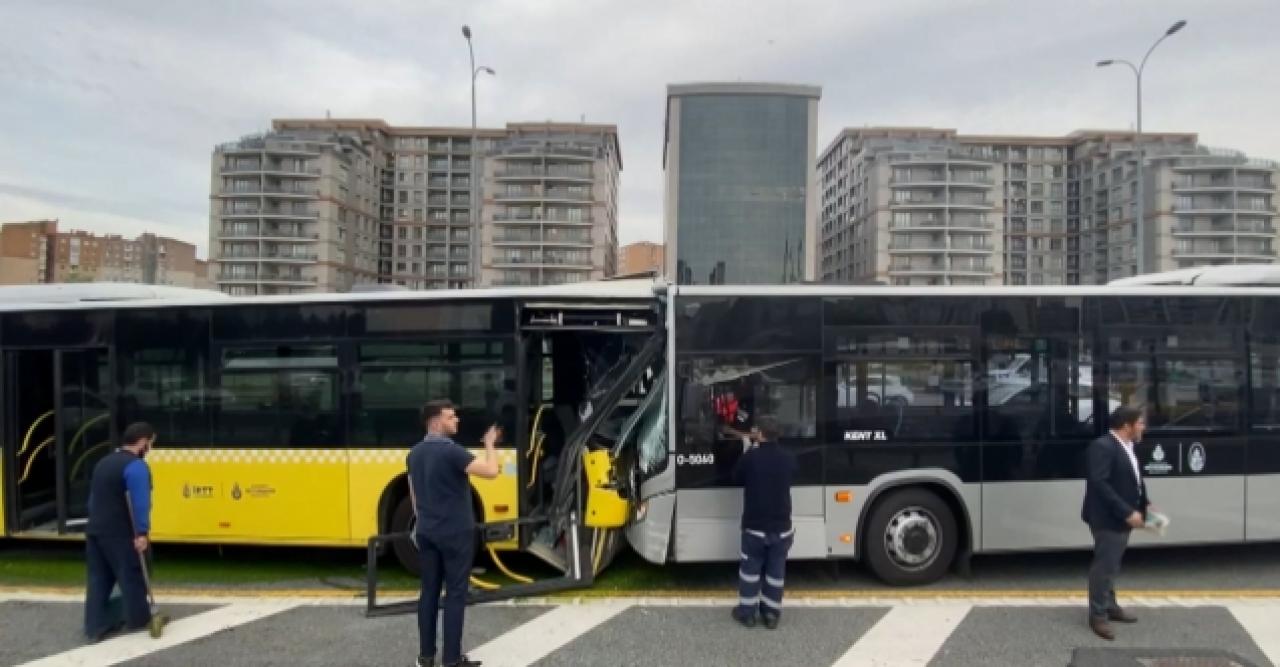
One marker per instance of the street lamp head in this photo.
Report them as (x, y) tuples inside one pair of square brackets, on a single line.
[(466, 31), (1175, 28), (1104, 63), (489, 71)]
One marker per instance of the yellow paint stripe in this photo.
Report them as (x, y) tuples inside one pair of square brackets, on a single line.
[(820, 594)]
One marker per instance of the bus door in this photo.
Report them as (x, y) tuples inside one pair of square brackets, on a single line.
[(594, 366), (58, 414)]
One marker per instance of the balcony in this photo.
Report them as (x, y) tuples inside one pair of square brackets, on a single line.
[(539, 194), (1222, 229), (1223, 206), (524, 219), (273, 191), (543, 173), (1224, 252), (540, 261), (254, 255), (261, 145), (286, 279), (900, 180), (274, 169), (238, 277), (269, 212), (292, 234), (510, 238)]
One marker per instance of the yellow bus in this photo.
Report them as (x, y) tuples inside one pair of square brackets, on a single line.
[(286, 420)]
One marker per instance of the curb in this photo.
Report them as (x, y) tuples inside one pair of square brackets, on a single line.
[(803, 594)]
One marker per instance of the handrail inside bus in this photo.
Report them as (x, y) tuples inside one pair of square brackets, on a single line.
[(26, 471), (84, 427), (80, 461), (26, 441)]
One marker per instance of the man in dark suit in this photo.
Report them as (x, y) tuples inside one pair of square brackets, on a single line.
[(1115, 502)]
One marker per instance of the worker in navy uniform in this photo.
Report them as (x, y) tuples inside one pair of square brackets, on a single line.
[(1115, 502), (765, 472), (117, 536), (445, 530)]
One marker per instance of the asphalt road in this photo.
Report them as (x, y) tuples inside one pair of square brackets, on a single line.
[(961, 633)]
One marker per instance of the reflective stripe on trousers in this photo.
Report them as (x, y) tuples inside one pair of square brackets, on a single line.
[(764, 555)]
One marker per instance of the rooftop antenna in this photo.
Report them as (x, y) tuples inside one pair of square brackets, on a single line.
[(327, 116)]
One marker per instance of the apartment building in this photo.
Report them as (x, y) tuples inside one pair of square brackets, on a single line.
[(24, 252), (324, 204), (37, 252), (640, 257), (550, 212), (1047, 210)]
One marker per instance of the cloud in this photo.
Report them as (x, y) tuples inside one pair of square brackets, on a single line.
[(122, 102)]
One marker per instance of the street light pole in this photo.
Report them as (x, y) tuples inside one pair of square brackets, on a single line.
[(1140, 221), (474, 208)]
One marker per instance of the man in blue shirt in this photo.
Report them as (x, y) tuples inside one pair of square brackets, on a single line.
[(445, 530), (117, 535)]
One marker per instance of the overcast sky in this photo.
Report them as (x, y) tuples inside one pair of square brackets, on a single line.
[(109, 109)]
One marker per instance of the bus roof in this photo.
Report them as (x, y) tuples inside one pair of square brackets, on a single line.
[(109, 295), (1235, 275)]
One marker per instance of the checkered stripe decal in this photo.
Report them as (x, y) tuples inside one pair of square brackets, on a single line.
[(294, 456)]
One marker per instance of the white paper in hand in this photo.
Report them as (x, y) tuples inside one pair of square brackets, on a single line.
[(1156, 522)]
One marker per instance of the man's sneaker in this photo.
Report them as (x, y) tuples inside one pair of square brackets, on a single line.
[(771, 621), (424, 662), (465, 662)]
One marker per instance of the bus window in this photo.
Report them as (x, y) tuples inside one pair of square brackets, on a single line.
[(1183, 380), (396, 378), (163, 358), (1038, 388), (1264, 411), (282, 396), (890, 385), (725, 396)]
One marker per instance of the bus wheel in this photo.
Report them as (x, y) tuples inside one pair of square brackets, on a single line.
[(403, 521), (910, 538)]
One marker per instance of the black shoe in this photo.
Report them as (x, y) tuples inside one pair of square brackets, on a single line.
[(424, 662), (746, 621), (771, 622), (1121, 616), (464, 661)]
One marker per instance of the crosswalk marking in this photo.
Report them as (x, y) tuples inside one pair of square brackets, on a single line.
[(1263, 624), (907, 635), (137, 644), (538, 638)]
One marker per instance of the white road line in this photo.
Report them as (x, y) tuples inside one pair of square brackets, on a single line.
[(1263, 625), (541, 636), (907, 635), (137, 644)]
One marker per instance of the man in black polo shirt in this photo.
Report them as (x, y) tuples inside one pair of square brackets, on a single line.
[(116, 536), (765, 473), (445, 533)]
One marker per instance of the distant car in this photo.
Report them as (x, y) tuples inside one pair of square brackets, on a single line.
[(889, 387)]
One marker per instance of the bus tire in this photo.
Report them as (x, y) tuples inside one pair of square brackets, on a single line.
[(911, 537), (402, 521)]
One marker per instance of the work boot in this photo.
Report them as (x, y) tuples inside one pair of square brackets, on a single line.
[(746, 620), (465, 662), (771, 621), (424, 662), (1102, 628), (1119, 615)]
